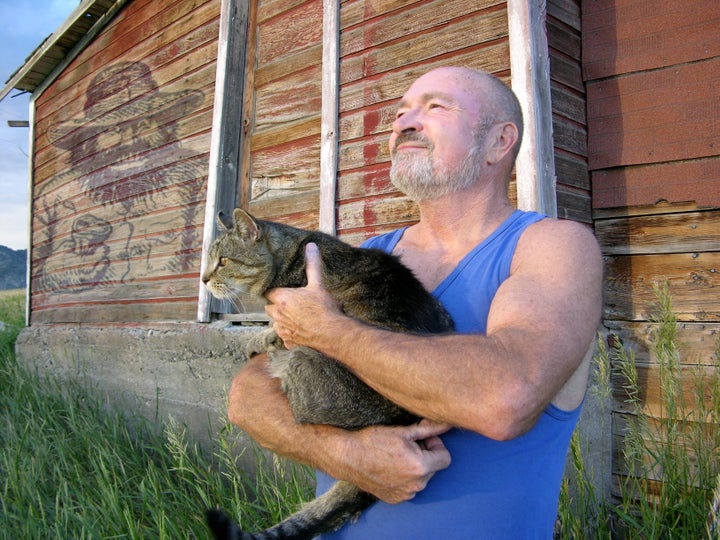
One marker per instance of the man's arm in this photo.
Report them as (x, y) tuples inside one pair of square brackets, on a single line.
[(385, 461), (541, 323)]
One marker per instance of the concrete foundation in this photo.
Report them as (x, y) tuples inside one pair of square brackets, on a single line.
[(178, 370)]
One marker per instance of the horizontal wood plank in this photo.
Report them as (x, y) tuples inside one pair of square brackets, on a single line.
[(693, 280), (273, 8), (147, 290), (367, 182), (493, 58), (298, 209), (567, 11), (377, 211), (563, 38), (697, 342), (573, 204), (295, 97), (570, 136), (354, 12), (287, 65), (419, 17), (692, 436), (647, 185), (657, 116), (571, 170), (664, 233), (284, 168), (568, 103), (453, 36), (627, 36), (181, 310), (293, 29), (364, 152)]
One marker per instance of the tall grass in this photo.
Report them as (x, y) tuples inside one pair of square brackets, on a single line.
[(72, 467), (672, 459)]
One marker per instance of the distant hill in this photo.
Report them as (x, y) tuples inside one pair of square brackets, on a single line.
[(12, 268)]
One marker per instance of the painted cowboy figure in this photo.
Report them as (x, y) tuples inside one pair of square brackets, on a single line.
[(127, 158)]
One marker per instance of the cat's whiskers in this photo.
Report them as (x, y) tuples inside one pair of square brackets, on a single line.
[(236, 300)]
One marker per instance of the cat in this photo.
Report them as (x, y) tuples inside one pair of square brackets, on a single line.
[(253, 256)]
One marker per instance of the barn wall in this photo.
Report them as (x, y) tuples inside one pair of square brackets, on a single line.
[(120, 165), (568, 104), (652, 78)]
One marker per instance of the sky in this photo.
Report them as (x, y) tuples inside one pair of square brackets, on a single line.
[(24, 24)]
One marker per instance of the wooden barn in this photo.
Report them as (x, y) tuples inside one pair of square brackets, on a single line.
[(150, 116)]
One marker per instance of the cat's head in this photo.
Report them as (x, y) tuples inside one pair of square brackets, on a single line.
[(239, 261)]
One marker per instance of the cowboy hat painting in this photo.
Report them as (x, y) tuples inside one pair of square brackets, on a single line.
[(122, 93)]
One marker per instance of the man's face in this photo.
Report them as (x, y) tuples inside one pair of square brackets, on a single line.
[(437, 141)]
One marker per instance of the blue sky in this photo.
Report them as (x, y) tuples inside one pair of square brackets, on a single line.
[(23, 26)]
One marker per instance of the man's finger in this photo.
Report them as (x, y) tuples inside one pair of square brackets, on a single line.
[(428, 428), (313, 264)]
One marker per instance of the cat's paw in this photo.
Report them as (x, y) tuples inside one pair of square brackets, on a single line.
[(262, 342)]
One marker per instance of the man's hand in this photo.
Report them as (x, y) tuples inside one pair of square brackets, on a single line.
[(299, 314), (392, 463), (395, 463)]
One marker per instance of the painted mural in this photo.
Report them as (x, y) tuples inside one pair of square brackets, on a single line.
[(127, 203)]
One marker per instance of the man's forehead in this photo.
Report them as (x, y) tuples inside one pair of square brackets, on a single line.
[(425, 97)]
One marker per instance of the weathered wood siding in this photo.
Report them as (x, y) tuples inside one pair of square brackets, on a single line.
[(384, 46), (652, 81), (120, 165), (652, 89), (281, 177), (568, 103)]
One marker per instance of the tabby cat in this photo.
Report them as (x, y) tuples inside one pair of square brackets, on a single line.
[(253, 256)]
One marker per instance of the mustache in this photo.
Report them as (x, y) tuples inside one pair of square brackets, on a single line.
[(411, 137)]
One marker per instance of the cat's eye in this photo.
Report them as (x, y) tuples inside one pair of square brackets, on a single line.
[(223, 261)]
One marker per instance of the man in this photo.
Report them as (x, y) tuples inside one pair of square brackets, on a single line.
[(525, 294)]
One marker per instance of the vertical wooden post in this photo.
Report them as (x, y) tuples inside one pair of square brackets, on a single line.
[(31, 206), (329, 117), (530, 76), (226, 137)]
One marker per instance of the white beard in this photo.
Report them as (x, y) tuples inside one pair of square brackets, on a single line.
[(421, 178)]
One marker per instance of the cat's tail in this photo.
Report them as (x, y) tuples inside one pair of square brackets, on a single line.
[(343, 502)]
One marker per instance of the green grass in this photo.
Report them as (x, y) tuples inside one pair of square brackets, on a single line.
[(673, 462), (72, 467)]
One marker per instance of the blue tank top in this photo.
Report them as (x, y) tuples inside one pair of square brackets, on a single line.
[(492, 490)]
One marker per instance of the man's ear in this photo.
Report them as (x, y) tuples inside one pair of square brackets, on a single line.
[(502, 138)]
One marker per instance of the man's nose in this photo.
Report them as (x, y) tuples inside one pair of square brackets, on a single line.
[(406, 122)]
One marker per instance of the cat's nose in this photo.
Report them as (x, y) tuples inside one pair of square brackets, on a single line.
[(205, 279)]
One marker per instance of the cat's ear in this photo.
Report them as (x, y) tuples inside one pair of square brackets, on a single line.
[(246, 225), (222, 222)]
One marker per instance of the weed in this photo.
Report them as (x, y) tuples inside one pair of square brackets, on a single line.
[(671, 457)]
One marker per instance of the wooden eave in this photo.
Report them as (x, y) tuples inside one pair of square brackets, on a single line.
[(60, 47)]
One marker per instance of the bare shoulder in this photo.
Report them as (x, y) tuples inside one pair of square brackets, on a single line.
[(561, 244)]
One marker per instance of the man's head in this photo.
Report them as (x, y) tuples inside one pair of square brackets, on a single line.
[(451, 125)]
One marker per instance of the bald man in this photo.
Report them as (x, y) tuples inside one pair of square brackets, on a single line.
[(501, 396)]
